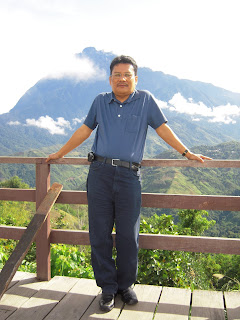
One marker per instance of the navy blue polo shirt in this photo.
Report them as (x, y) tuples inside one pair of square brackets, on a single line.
[(122, 127)]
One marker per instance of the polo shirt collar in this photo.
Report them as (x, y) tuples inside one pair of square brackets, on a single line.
[(133, 96)]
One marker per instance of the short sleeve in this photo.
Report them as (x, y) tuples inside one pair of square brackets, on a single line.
[(91, 119), (155, 115)]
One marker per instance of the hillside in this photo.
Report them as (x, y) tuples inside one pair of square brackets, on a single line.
[(163, 180)]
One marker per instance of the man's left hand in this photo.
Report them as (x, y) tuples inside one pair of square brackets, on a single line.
[(198, 157)]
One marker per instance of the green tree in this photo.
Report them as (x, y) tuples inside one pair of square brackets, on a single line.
[(14, 182), (194, 222), (175, 268)]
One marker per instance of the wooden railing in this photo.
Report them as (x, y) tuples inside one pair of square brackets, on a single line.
[(147, 241)]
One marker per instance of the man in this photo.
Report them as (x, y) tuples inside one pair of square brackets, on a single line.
[(114, 191)]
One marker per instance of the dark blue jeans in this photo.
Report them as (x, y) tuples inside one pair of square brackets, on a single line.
[(114, 196)]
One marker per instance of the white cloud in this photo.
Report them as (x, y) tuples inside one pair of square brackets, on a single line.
[(54, 127), (222, 114), (75, 68), (14, 123), (77, 120)]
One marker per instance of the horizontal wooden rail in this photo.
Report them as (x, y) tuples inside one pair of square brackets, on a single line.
[(146, 241), (145, 162), (150, 200), (9, 194)]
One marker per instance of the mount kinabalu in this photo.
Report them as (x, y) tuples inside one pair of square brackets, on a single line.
[(64, 102)]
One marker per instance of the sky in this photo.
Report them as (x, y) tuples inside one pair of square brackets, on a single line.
[(190, 39)]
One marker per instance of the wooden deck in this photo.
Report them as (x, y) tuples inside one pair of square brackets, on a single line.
[(73, 298)]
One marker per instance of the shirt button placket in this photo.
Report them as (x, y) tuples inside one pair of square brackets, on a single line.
[(119, 115)]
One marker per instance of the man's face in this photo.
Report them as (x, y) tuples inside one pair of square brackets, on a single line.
[(123, 80)]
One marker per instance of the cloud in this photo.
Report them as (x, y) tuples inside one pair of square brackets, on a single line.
[(78, 69), (57, 126), (14, 123), (77, 120), (54, 127), (222, 114)]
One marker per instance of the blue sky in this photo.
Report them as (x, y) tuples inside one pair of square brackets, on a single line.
[(191, 39)]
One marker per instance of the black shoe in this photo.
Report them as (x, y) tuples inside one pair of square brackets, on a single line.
[(128, 296), (106, 302)]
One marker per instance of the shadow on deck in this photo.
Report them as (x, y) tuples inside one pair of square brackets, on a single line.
[(73, 298)]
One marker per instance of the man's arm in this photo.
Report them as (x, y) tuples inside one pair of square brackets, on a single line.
[(79, 136), (170, 138)]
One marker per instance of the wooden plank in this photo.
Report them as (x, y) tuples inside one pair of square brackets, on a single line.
[(232, 300), (147, 302), (157, 241), (69, 237), (76, 301), (17, 295), (73, 197), (28, 160), (207, 305), (9, 232), (199, 202), (43, 301), (146, 241), (190, 243), (157, 200), (94, 312), (42, 239), (24, 244), (18, 194), (19, 275), (71, 161), (174, 304), (146, 162)]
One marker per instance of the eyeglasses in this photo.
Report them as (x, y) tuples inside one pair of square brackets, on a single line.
[(118, 75)]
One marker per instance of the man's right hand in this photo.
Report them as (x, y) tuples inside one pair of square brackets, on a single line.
[(53, 156)]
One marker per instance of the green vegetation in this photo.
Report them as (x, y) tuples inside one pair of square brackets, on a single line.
[(158, 267)]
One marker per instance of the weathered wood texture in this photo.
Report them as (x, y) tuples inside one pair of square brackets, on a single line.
[(232, 300), (152, 200), (174, 304), (18, 194), (145, 162), (148, 297), (207, 305), (39, 305), (65, 298), (21, 289), (42, 239), (146, 241), (25, 242)]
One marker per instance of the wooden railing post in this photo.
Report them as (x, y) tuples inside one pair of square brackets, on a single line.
[(43, 237)]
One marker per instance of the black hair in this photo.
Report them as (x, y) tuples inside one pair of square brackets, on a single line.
[(126, 60)]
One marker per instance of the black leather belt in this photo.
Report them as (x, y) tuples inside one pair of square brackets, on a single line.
[(117, 162)]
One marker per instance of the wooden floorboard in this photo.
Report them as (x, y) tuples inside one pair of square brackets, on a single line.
[(232, 300), (148, 297), (64, 298), (207, 305), (174, 304)]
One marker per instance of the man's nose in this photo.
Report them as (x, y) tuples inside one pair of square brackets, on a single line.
[(123, 77)]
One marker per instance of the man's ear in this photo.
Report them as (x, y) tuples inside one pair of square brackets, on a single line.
[(136, 80)]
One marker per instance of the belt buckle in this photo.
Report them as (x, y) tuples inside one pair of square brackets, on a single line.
[(114, 165)]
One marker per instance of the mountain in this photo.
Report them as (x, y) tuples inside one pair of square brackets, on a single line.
[(49, 112)]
